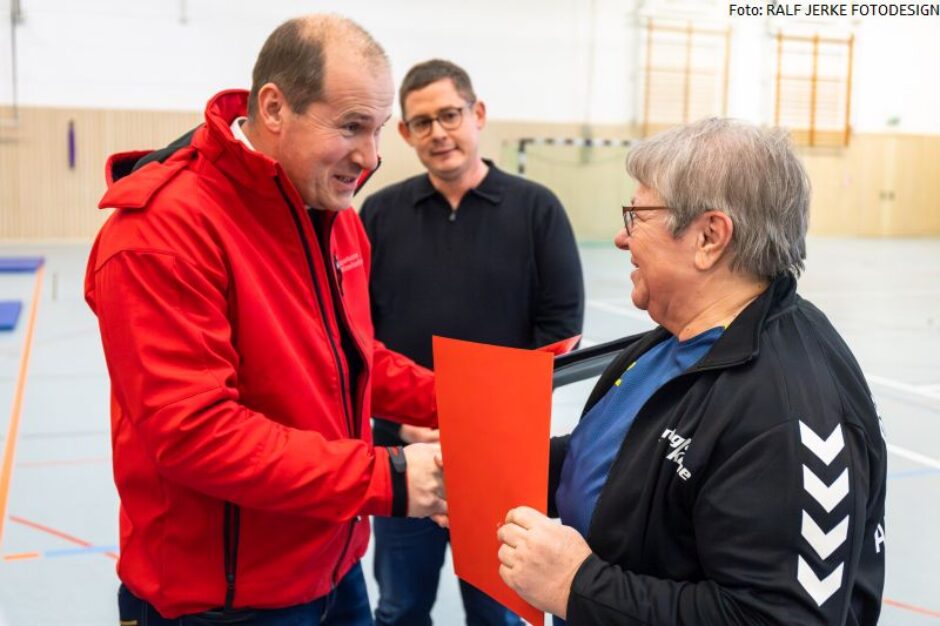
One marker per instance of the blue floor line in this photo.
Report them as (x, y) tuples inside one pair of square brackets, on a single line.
[(75, 551)]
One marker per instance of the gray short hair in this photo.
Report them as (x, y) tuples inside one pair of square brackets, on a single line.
[(294, 57), (749, 173)]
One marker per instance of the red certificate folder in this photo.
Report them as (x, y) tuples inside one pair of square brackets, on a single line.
[(494, 408)]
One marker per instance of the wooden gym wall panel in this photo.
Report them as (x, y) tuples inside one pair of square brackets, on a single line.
[(831, 179), (930, 181), (42, 197), (880, 185), (907, 203), (8, 181)]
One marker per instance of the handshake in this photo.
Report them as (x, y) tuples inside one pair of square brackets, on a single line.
[(425, 478)]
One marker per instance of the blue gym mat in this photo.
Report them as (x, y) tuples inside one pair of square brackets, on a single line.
[(20, 263), (9, 314)]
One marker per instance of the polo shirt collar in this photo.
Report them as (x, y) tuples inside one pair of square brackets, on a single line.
[(490, 188)]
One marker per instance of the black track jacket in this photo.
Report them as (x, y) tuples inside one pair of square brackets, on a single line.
[(749, 490)]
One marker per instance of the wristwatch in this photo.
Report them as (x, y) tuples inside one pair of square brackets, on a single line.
[(397, 456), (399, 469)]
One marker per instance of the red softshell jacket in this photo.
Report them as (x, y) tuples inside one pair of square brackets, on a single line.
[(242, 455)]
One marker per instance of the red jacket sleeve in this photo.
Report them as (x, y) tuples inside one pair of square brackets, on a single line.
[(167, 342), (402, 391)]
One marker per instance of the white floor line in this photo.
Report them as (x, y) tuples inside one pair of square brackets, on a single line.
[(913, 456), (619, 310), (929, 392)]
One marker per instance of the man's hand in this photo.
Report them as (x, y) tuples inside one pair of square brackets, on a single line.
[(419, 434), (425, 476), (539, 558)]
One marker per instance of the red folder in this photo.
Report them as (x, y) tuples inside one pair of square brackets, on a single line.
[(494, 409), (561, 347)]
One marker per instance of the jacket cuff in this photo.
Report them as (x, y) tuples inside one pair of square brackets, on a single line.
[(583, 586), (386, 432)]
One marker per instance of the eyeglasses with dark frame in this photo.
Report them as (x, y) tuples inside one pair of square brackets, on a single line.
[(449, 119), (630, 211)]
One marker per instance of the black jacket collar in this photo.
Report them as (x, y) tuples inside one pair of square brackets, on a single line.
[(740, 341), (737, 345)]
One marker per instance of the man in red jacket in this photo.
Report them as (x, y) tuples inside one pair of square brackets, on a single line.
[(231, 289)]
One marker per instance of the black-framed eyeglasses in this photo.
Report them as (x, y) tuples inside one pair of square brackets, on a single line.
[(449, 119), (630, 211)]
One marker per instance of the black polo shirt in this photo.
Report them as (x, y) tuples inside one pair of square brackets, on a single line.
[(502, 269)]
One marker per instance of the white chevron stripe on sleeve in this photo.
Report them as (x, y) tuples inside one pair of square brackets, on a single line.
[(825, 450), (829, 496), (822, 542), (819, 590)]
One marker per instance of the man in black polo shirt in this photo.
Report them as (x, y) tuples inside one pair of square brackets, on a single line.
[(464, 251)]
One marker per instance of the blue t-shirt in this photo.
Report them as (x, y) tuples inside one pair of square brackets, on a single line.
[(598, 436)]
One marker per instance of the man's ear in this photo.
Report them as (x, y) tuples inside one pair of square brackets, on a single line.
[(713, 238), (272, 107), (479, 114), (404, 132)]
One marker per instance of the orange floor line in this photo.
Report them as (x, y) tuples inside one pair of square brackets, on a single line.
[(51, 531), (911, 607), (59, 534), (21, 556), (9, 447)]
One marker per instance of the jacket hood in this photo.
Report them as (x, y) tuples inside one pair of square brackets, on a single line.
[(134, 177), (152, 169)]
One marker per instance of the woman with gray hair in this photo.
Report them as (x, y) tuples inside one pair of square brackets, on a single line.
[(729, 466)]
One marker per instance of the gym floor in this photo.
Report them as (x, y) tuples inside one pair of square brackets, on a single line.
[(58, 505)]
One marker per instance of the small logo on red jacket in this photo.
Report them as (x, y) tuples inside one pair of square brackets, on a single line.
[(679, 445), (350, 262)]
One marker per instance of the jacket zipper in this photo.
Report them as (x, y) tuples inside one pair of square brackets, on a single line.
[(313, 277), (339, 365), (696, 370), (339, 563), (341, 305), (336, 289), (339, 296), (623, 444), (230, 537)]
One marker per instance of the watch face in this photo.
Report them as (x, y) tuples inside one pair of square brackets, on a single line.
[(397, 455)]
